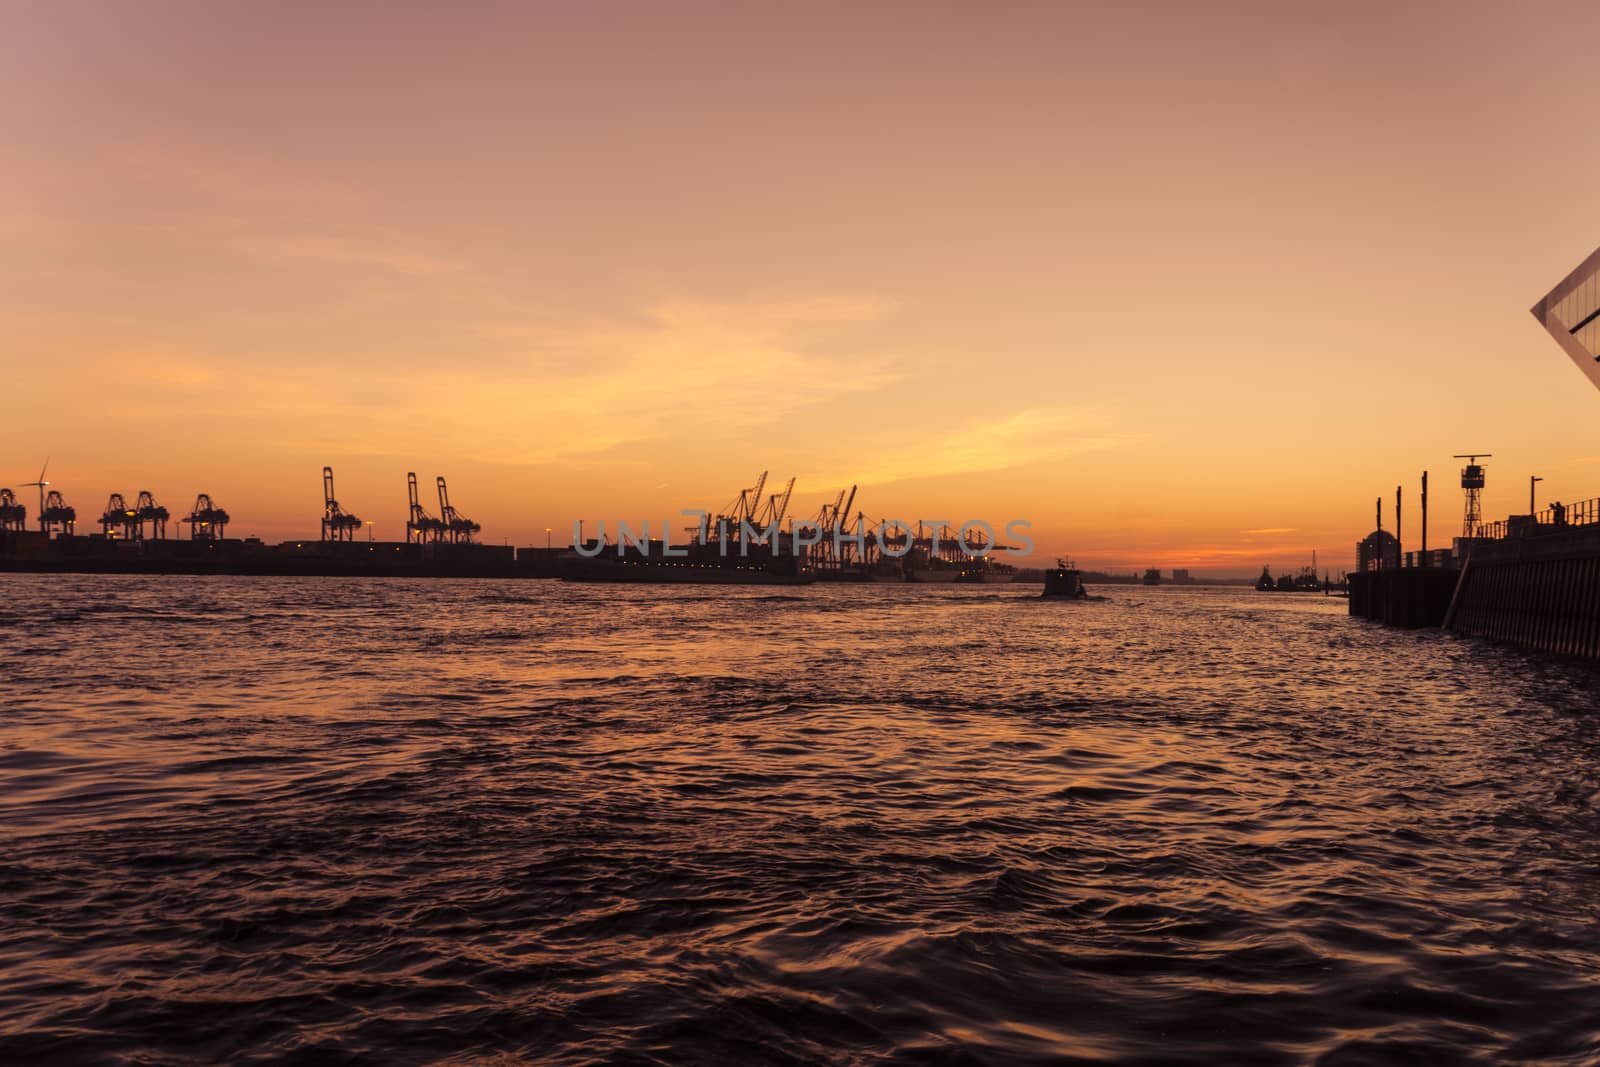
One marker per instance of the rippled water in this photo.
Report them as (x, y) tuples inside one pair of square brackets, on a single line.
[(254, 819)]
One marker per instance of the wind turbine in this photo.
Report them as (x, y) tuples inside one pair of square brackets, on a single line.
[(41, 483)]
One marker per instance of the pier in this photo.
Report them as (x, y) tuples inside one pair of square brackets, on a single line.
[(1532, 581)]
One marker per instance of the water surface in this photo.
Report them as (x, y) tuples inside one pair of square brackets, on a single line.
[(251, 820)]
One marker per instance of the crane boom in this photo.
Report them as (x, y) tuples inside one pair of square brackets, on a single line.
[(754, 501), (782, 505)]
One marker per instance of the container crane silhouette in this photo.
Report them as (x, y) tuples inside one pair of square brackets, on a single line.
[(13, 516), (120, 521), (420, 526), (457, 527), (337, 524), (207, 522), (148, 511), (779, 505), (57, 517)]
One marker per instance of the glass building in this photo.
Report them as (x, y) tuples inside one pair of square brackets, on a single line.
[(1572, 315)]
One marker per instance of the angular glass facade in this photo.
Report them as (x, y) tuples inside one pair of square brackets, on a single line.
[(1572, 315)]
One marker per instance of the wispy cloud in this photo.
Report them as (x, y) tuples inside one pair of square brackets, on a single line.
[(676, 371), (1015, 439), (1272, 530)]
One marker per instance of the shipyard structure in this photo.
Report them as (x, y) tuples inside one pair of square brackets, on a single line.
[(134, 539), (1531, 580), (751, 540)]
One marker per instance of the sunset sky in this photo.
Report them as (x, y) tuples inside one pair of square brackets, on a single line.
[(1181, 284)]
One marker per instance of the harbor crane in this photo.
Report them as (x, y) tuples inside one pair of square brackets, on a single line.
[(817, 529), (421, 527), (457, 528), (828, 517), (207, 522), (120, 521), (148, 511), (57, 517), (741, 508), (13, 516), (840, 518), (844, 516), (337, 524), (746, 507), (776, 507)]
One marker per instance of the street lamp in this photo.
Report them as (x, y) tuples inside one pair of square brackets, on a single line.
[(547, 538), (369, 531), (1531, 482)]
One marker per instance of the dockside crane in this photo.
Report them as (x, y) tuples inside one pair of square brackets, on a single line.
[(780, 505), (829, 516), (458, 528), (13, 516), (57, 517), (845, 548), (421, 527), (819, 527), (119, 520), (746, 507), (741, 508), (337, 524), (207, 522), (749, 505), (148, 511)]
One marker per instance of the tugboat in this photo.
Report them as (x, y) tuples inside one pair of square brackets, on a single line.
[(1064, 582), (1265, 584)]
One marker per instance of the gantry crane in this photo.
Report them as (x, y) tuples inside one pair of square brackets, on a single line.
[(779, 505), (456, 527), (148, 511), (337, 524), (741, 508), (56, 516), (817, 530), (13, 516), (119, 516), (421, 527), (207, 522)]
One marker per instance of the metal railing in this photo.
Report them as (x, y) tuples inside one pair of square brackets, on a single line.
[(1549, 520), (1581, 513)]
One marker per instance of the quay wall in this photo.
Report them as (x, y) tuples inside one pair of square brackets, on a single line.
[(1409, 597), (1540, 593)]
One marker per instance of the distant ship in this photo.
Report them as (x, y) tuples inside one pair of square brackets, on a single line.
[(1304, 582), (952, 564), (1152, 576), (700, 564)]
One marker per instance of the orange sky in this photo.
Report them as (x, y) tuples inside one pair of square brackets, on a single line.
[(1182, 284)]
